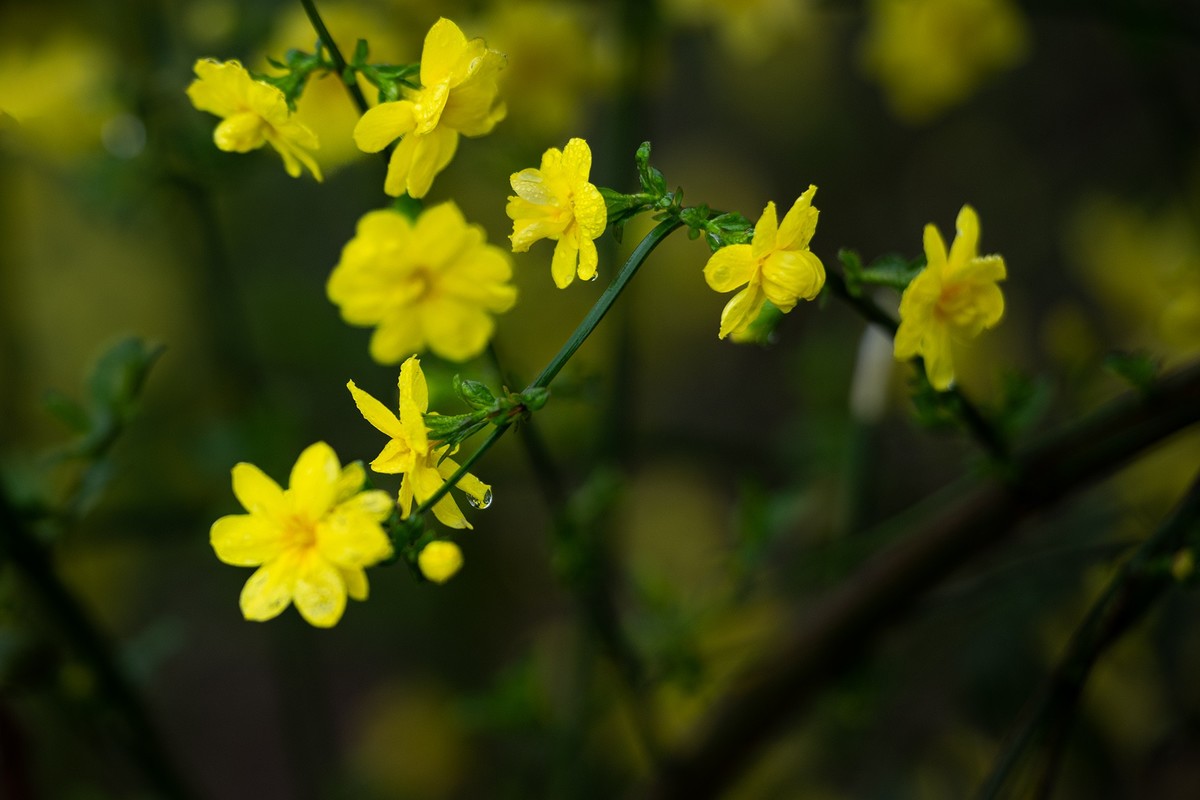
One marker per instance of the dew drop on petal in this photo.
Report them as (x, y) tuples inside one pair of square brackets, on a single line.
[(595, 276), (480, 503)]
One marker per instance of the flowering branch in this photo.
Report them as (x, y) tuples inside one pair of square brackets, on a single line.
[(576, 340), (335, 55), (837, 631)]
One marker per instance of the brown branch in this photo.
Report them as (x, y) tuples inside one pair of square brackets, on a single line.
[(836, 632)]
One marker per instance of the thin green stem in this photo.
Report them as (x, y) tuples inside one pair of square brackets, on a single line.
[(314, 16), (576, 340)]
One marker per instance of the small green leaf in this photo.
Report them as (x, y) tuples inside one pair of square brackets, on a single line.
[(534, 399), (67, 410), (447, 427), (118, 375)]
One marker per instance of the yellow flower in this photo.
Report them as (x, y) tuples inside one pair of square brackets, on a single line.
[(777, 266), (931, 54), (440, 561), (410, 452), (955, 296), (458, 94), (431, 283), (253, 112), (557, 202), (310, 542)]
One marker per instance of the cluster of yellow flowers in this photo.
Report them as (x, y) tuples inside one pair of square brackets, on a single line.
[(432, 282)]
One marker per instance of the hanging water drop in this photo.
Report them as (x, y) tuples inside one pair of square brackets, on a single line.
[(595, 275), (483, 502)]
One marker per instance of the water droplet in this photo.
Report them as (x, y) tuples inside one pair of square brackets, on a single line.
[(595, 275), (480, 503)]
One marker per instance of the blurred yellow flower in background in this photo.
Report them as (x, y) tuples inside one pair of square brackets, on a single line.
[(1145, 270), (929, 55), (434, 283), (555, 59), (252, 113), (458, 95), (955, 296), (309, 542), (748, 29), (440, 561), (411, 453), (57, 94), (777, 266), (557, 202)]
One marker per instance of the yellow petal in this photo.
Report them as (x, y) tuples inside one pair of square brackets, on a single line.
[(397, 337), (939, 366), (472, 486), (730, 267), (412, 384), (313, 485), (355, 579), (384, 124), (789, 275), (431, 153), (766, 232), (457, 331), (269, 590), (240, 132), (405, 498), (591, 214), (966, 243), (530, 186), (320, 592), (257, 493), (351, 481), (564, 264), (799, 224), (445, 47), (577, 161), (376, 412), (588, 259), (219, 88), (396, 458), (442, 233), (399, 165), (426, 481), (742, 310), (245, 540), (935, 249), (349, 537)]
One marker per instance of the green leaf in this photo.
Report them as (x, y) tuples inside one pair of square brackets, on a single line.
[(117, 377), (67, 410), (892, 270), (446, 427), (534, 399)]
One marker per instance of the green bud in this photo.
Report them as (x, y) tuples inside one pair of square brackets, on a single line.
[(474, 393)]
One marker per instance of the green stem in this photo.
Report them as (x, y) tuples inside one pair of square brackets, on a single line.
[(335, 54), (589, 323)]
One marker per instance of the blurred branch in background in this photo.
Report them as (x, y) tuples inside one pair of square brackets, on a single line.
[(839, 629)]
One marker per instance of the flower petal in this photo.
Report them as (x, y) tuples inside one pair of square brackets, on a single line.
[(742, 310), (730, 267), (426, 481), (799, 224), (355, 579), (376, 412), (399, 166), (565, 263), (246, 540), (412, 384), (766, 232), (313, 485), (349, 537), (935, 249), (468, 483), (258, 493), (966, 243), (397, 337), (396, 458), (320, 593), (431, 153), (384, 124), (269, 590)]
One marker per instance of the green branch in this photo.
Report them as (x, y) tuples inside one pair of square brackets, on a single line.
[(576, 340), (335, 55)]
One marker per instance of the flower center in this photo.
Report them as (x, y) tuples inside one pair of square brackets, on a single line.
[(299, 532)]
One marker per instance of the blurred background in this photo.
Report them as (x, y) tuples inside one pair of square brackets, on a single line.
[(717, 487)]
